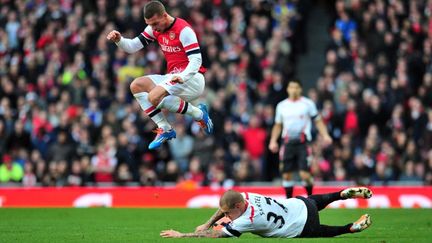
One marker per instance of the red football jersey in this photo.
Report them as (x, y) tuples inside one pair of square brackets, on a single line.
[(177, 42)]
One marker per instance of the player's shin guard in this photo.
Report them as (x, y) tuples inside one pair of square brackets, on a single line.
[(289, 187), (177, 105), (154, 113)]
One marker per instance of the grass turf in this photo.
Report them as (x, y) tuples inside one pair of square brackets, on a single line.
[(144, 225)]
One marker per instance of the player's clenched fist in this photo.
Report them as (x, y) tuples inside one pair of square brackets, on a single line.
[(114, 36)]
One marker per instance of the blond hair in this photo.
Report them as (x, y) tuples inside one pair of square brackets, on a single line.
[(230, 198)]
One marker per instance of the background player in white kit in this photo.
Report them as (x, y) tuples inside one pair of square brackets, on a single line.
[(286, 218), (185, 81), (293, 119)]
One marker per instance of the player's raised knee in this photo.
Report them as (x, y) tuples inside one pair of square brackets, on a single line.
[(141, 84)]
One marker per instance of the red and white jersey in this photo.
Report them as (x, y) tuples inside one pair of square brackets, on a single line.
[(268, 217), (177, 43)]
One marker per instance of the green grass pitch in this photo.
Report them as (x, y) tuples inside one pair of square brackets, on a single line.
[(144, 225)]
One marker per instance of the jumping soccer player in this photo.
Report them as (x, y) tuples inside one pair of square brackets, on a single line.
[(183, 83)]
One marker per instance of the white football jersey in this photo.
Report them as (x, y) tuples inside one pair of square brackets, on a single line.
[(295, 117), (268, 217)]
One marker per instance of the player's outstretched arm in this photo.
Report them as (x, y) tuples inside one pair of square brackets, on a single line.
[(128, 45), (202, 234), (213, 219)]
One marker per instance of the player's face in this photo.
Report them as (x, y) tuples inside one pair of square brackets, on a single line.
[(294, 90), (232, 213), (157, 22)]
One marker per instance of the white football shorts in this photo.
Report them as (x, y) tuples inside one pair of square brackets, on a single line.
[(188, 91)]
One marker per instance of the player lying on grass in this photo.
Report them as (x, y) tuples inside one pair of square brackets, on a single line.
[(286, 218)]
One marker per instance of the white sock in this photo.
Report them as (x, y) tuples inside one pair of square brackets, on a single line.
[(178, 105), (154, 113), (286, 183)]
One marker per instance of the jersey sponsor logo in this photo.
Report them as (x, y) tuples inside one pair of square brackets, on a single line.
[(165, 40), (166, 48)]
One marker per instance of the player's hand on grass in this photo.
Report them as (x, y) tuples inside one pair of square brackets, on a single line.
[(274, 147), (114, 36), (177, 79), (202, 227), (170, 234)]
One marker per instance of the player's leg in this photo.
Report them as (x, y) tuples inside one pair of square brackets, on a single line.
[(175, 104), (288, 184), (322, 200), (140, 88), (331, 231), (313, 228), (312, 224), (304, 166), (179, 100), (287, 167), (361, 224)]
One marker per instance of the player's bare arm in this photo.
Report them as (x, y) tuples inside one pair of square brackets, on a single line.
[(201, 234), (213, 219), (322, 129), (275, 134)]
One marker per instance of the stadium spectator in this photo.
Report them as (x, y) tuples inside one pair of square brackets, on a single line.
[(203, 147), (10, 171), (104, 162), (75, 177), (181, 148)]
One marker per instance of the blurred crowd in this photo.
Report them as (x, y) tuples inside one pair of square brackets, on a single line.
[(375, 92), (67, 117)]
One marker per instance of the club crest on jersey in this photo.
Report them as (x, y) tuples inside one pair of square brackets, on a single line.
[(172, 35)]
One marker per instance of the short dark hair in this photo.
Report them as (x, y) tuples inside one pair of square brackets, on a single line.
[(153, 8), (297, 81)]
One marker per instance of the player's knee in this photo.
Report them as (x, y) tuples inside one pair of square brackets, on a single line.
[(141, 84), (135, 87), (154, 99), (287, 176), (305, 175)]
